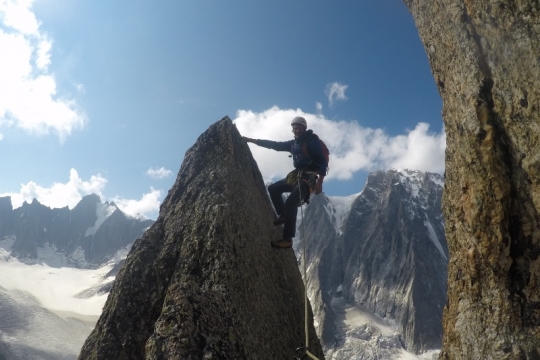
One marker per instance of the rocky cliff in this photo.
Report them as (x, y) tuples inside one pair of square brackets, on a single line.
[(87, 235), (484, 55), (203, 282), (383, 252)]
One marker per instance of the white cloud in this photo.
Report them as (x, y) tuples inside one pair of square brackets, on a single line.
[(28, 93), (418, 150), (335, 91), (1, 137), (319, 107), (16, 14), (158, 173), (43, 58), (352, 147), (148, 204), (59, 195)]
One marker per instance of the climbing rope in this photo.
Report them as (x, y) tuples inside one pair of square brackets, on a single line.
[(306, 328)]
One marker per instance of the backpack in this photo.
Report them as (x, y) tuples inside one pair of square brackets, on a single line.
[(326, 152)]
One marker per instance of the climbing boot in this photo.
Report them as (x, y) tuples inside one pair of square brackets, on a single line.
[(280, 220), (281, 244)]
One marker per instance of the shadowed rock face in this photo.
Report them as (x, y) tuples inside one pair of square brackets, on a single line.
[(485, 57), (203, 282)]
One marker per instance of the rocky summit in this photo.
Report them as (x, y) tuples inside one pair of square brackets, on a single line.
[(378, 266), (203, 281)]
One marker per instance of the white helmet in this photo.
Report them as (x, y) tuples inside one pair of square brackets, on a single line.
[(299, 120)]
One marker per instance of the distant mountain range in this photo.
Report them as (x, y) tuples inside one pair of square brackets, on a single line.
[(87, 235), (376, 277), (378, 266), (57, 267)]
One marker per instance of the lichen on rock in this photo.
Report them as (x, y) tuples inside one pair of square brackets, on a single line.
[(484, 55)]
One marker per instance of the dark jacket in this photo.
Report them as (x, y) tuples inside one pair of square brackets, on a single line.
[(300, 161)]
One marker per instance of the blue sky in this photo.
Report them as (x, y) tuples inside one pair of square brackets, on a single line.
[(106, 97)]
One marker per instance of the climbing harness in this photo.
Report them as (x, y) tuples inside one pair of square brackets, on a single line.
[(309, 177), (306, 328)]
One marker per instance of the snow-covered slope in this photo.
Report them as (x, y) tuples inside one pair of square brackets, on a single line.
[(57, 267), (30, 331), (338, 208), (103, 212), (43, 311)]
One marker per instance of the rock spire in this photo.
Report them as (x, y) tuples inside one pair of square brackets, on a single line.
[(203, 281)]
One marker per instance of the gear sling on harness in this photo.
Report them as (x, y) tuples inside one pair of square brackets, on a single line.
[(306, 328), (309, 177)]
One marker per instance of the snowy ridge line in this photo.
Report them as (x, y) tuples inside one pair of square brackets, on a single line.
[(411, 180), (437, 179), (415, 183), (49, 256)]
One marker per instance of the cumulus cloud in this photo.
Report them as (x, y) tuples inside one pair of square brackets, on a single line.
[(28, 93), (59, 195), (319, 107), (148, 204), (352, 147), (335, 91), (418, 149), (158, 173)]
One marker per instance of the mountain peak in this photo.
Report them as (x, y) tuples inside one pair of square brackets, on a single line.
[(203, 280), (381, 251), (91, 198)]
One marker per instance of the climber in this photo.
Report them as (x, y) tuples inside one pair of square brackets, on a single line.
[(310, 160)]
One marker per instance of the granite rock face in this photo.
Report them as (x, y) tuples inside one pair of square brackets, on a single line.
[(88, 235), (203, 282), (485, 58), (384, 252)]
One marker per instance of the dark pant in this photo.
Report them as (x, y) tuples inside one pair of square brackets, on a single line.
[(289, 208)]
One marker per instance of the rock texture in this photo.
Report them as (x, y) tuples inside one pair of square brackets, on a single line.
[(88, 235), (485, 57), (203, 282), (382, 251)]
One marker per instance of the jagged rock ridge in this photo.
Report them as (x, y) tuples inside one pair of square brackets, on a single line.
[(382, 251), (484, 55), (203, 281), (89, 234)]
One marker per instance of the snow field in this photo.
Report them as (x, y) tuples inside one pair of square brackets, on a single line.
[(55, 287)]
